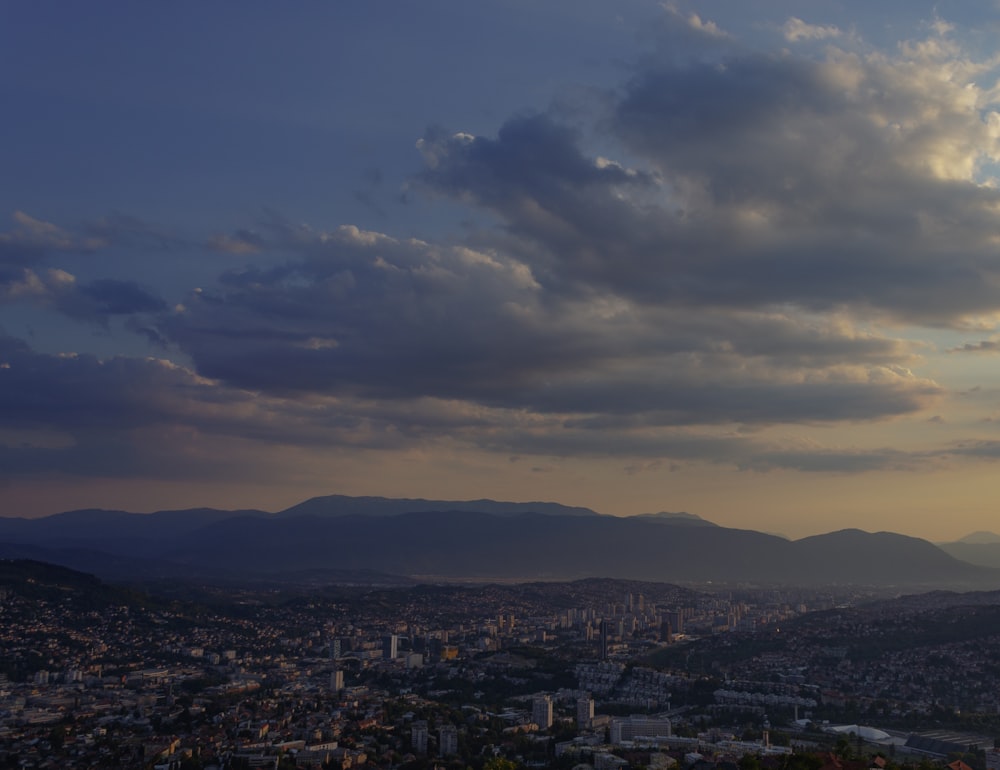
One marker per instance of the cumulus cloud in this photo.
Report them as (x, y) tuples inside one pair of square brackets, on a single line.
[(851, 181), (730, 246), (121, 417), (27, 274), (796, 30), (361, 314)]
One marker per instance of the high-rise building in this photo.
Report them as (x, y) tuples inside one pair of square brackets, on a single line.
[(447, 740), (541, 711), (604, 640), (390, 646), (584, 713), (418, 737), (336, 675)]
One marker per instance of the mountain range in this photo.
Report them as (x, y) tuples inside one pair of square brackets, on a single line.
[(982, 548), (340, 538)]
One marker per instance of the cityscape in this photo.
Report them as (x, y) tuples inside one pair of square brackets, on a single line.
[(597, 672), (499, 385)]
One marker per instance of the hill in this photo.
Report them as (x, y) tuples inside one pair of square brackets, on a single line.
[(983, 554), (337, 537), (37, 580)]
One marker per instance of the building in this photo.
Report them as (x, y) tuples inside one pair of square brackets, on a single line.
[(637, 726), (541, 711), (390, 646), (447, 740), (418, 737), (584, 713)]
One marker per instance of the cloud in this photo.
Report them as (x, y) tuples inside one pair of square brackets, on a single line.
[(97, 300), (27, 275), (731, 247), (984, 346), (79, 415), (663, 450), (94, 301), (983, 449), (796, 30), (127, 230), (31, 239), (850, 182), (359, 314), (692, 21), (243, 242)]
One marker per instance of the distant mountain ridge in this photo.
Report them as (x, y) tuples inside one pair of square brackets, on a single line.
[(480, 540), (343, 505), (982, 548), (689, 519), (980, 537)]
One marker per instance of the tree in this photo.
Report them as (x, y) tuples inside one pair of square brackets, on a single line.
[(500, 763)]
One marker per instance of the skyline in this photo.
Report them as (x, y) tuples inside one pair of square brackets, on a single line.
[(635, 257)]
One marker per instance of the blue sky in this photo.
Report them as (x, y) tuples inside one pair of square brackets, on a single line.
[(735, 259)]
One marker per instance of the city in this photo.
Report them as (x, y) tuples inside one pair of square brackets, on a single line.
[(604, 672), (500, 385)]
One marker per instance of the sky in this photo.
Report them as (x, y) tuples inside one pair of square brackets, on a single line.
[(735, 259)]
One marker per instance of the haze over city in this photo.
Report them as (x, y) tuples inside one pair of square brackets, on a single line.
[(736, 259)]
